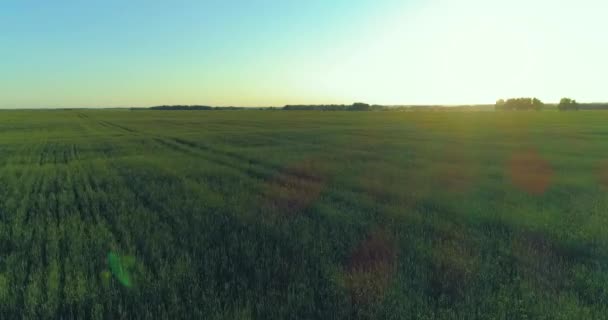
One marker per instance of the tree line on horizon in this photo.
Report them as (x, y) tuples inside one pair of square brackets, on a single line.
[(522, 104), (192, 107), (513, 104), (519, 104), (357, 106)]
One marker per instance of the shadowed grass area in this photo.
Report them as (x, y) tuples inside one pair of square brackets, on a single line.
[(303, 215)]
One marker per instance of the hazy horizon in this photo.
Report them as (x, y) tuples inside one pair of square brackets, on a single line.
[(63, 54)]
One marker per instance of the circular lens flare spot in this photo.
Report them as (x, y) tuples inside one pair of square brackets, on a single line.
[(530, 172), (120, 267)]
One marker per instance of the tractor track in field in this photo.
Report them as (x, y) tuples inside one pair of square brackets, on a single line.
[(210, 157), (193, 149), (257, 169), (109, 124)]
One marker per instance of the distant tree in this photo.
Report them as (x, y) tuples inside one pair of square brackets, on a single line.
[(179, 107), (377, 107), (500, 104), (331, 107), (191, 108), (519, 104), (566, 104), (359, 106), (537, 104)]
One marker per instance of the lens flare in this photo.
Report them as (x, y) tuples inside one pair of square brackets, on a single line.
[(120, 266), (530, 172)]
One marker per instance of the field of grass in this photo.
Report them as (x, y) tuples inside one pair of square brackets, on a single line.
[(113, 214)]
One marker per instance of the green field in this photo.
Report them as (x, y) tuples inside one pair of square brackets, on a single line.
[(112, 214)]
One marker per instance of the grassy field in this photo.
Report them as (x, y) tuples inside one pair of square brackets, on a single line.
[(303, 215)]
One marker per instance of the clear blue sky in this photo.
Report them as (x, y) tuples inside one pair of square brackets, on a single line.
[(273, 52)]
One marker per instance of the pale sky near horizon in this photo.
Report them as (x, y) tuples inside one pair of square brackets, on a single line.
[(113, 53)]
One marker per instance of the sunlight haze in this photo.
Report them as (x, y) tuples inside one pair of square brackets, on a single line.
[(260, 53)]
